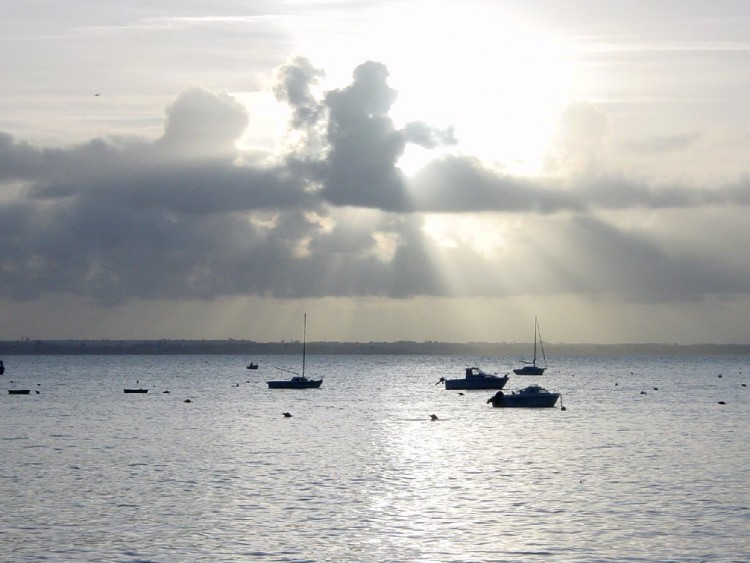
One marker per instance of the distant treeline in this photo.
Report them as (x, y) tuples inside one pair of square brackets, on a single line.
[(251, 348)]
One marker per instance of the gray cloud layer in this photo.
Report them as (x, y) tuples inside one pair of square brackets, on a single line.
[(180, 218)]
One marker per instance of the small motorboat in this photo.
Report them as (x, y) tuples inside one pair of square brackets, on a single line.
[(533, 396), (252, 365), (139, 390), (475, 378), (19, 391)]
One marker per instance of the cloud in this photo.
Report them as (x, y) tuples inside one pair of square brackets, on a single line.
[(362, 143), (294, 84), (665, 143), (582, 133), (200, 124), (642, 267), (188, 216)]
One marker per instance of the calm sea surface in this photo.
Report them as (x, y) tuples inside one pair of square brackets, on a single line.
[(361, 473)]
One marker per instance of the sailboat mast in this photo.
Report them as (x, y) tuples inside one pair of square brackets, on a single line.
[(536, 329), (304, 343)]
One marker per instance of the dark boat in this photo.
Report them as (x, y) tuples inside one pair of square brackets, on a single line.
[(533, 397), (19, 391), (299, 381), (136, 390), (296, 382), (252, 366), (476, 379), (531, 368)]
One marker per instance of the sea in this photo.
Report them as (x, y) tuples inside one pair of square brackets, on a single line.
[(647, 460)]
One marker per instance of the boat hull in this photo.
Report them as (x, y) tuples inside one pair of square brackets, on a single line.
[(476, 378), (19, 391), (135, 390), (525, 402), (529, 370), (289, 384), (533, 397), (490, 382)]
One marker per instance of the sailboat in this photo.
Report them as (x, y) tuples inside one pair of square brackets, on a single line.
[(299, 381), (531, 368)]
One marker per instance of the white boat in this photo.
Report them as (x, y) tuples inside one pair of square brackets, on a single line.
[(299, 381), (531, 368), (475, 378), (533, 396)]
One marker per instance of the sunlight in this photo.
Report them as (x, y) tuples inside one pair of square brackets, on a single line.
[(267, 133), (484, 234), (501, 84)]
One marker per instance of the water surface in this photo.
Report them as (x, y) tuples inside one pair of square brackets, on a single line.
[(643, 465)]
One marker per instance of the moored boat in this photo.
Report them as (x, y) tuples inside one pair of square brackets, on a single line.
[(140, 390), (475, 378), (19, 391), (299, 381), (296, 382), (530, 368), (532, 396)]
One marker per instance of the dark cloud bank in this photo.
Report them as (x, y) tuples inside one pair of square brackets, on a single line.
[(185, 217)]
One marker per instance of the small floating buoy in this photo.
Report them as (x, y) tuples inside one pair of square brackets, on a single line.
[(460, 393), (643, 393), (433, 417), (719, 375), (188, 401), (165, 391), (656, 388), (287, 414), (722, 403)]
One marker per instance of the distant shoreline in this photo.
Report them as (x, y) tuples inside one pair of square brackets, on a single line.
[(252, 348)]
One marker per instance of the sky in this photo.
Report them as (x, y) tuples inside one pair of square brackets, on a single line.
[(395, 170)]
